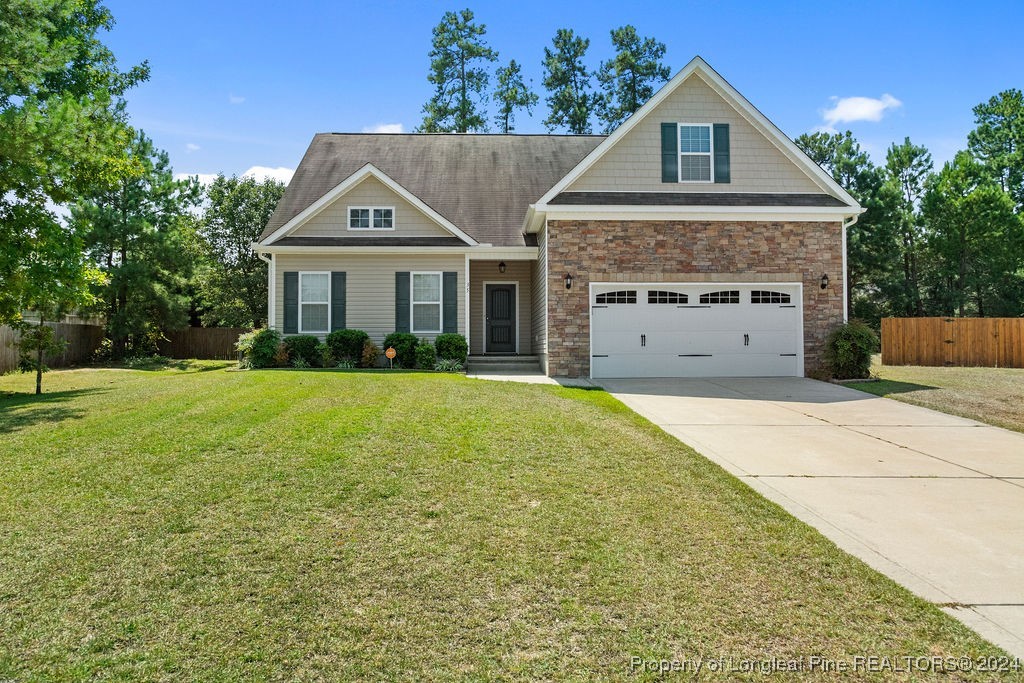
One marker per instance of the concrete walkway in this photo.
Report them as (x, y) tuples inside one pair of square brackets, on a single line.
[(934, 501)]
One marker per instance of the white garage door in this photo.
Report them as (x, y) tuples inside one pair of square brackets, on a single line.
[(707, 330)]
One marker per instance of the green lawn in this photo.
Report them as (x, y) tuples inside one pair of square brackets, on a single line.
[(201, 524), (992, 395)]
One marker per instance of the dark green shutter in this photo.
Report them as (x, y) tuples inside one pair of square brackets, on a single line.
[(669, 153), (291, 303), (450, 296), (401, 302), (337, 301), (721, 152)]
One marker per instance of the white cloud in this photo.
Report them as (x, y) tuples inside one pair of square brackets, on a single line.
[(236, 99), (261, 172), (850, 109), (204, 178), (192, 147), (384, 128)]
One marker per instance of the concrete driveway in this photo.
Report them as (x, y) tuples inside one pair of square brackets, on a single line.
[(934, 501)]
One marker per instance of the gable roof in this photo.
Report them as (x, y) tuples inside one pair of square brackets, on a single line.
[(353, 181), (480, 184), (698, 67)]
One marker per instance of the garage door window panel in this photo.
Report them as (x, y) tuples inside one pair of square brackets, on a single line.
[(759, 296), (727, 296), (657, 296), (620, 297)]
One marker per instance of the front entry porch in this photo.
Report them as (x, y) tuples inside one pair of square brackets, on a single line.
[(500, 305)]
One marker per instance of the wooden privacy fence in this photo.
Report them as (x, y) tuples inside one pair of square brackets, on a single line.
[(83, 340), (978, 342), (210, 343)]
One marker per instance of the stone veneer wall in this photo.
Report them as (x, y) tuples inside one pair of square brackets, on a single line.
[(687, 251)]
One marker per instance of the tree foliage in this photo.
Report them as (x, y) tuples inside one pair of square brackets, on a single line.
[(628, 79), (232, 280), (62, 133), (907, 167), (460, 79), (871, 241), (998, 140), (976, 242), (511, 94), (137, 233), (571, 100)]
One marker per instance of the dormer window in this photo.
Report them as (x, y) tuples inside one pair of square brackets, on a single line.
[(371, 218), (695, 153)]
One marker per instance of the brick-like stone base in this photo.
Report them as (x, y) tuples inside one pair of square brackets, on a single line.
[(687, 251)]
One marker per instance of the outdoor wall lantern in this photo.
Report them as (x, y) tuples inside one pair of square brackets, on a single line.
[(501, 267), (568, 280), (824, 281)]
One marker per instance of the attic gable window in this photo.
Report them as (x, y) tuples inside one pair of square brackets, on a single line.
[(371, 218), (695, 153)]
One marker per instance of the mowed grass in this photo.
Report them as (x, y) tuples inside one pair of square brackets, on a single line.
[(201, 524), (991, 395)]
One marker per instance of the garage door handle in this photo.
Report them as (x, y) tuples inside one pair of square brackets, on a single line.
[(746, 340), (695, 355), (643, 340)]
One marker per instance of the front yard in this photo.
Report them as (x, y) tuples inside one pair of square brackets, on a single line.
[(211, 525), (991, 395)]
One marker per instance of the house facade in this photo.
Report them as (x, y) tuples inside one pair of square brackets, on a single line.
[(695, 240)]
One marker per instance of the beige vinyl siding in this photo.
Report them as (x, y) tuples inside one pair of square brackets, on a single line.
[(487, 271), (333, 220), (634, 163), (370, 285), (538, 304)]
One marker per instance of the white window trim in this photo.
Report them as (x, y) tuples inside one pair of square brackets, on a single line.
[(348, 218), (709, 154), (413, 302), (302, 329)]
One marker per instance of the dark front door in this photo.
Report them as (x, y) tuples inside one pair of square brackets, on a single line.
[(500, 303)]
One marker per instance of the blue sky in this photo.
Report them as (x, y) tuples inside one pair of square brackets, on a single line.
[(238, 85)]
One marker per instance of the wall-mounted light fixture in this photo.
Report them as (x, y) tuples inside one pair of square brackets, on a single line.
[(824, 281), (502, 267), (568, 280)]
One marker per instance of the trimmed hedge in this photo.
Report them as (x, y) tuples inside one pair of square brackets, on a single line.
[(426, 356), (452, 346), (405, 346), (303, 346), (347, 344), (259, 347), (848, 350)]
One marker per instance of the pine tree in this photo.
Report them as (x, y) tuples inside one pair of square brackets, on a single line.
[(512, 93), (571, 101), (459, 76), (628, 79)]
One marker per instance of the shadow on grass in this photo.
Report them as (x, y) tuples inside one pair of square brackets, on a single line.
[(18, 410), (884, 387)]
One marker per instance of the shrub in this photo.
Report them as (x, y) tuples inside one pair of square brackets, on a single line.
[(451, 347), (302, 346), (281, 356), (347, 343), (404, 344), (259, 348), (326, 356), (371, 354), (300, 363), (848, 350), (426, 356), (448, 365), (345, 364)]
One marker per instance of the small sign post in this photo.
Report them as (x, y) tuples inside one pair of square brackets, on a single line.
[(391, 353)]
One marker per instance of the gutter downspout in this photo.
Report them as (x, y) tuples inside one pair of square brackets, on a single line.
[(271, 279), (846, 284)]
